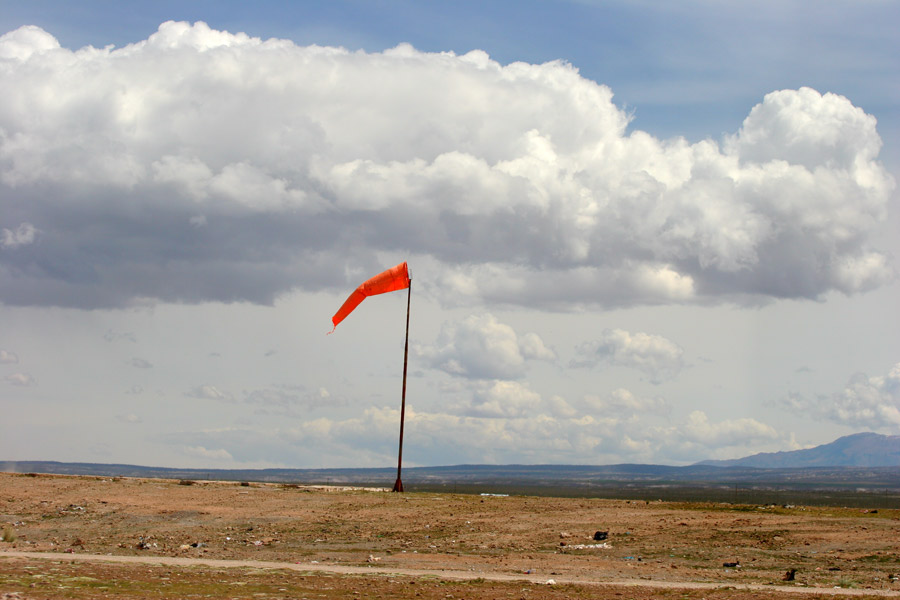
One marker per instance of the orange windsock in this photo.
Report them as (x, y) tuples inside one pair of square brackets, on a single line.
[(395, 278)]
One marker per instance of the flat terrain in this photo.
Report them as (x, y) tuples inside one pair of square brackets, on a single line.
[(90, 537)]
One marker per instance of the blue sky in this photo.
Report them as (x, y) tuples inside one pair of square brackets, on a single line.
[(641, 231)]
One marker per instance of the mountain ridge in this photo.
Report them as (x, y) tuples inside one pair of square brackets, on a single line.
[(865, 449)]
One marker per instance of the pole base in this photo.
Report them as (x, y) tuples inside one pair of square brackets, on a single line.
[(398, 486)]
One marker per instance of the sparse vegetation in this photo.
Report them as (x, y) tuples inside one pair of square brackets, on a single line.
[(487, 536), (847, 583), (8, 535)]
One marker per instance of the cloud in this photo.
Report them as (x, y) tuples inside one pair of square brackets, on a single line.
[(480, 347), (653, 355), (8, 358), (20, 379), (366, 440), (200, 165), (291, 400), (805, 128), (22, 235), (140, 363), (25, 41), (698, 429), (870, 402), (501, 399), (210, 392), (494, 432), (532, 347), (201, 452), (284, 400), (698, 438), (129, 418), (560, 407), (622, 402)]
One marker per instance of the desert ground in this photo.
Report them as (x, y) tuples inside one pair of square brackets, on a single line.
[(92, 537)]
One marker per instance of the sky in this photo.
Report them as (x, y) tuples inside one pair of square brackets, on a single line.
[(638, 232)]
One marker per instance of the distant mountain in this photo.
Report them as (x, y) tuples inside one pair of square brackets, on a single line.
[(857, 450)]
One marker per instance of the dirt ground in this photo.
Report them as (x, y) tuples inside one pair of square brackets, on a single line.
[(230, 540)]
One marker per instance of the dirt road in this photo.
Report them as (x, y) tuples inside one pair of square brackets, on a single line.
[(448, 574)]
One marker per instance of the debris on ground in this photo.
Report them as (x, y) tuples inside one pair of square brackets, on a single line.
[(604, 545), (142, 544), (266, 541)]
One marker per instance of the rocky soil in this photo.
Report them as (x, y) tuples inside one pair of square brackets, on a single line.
[(340, 543)]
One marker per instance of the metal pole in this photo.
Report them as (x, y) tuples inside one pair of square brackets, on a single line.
[(398, 485)]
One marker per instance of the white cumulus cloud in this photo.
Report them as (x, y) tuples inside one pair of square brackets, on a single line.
[(202, 165), (699, 429), (8, 358), (503, 399), (25, 41), (655, 356), (870, 402), (481, 347)]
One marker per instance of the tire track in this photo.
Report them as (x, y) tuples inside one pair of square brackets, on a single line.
[(452, 574)]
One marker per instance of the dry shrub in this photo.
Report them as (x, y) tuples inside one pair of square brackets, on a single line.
[(8, 535)]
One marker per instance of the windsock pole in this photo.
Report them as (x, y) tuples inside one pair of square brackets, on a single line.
[(398, 485)]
